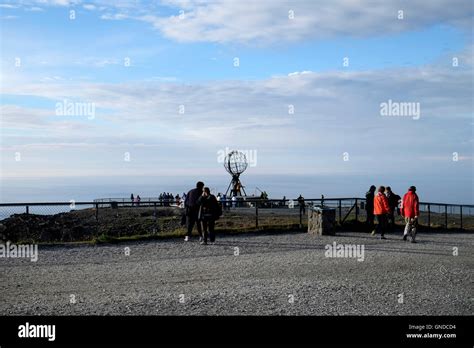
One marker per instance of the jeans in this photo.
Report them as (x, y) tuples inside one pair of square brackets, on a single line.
[(381, 224), (191, 219), (410, 227), (370, 220), (209, 225)]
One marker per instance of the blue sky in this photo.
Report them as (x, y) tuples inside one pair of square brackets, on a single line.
[(188, 61)]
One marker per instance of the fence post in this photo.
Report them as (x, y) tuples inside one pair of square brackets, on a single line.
[(357, 210), (446, 216), (460, 211), (156, 217), (429, 216), (301, 215), (340, 212), (97, 212), (256, 214), (27, 210)]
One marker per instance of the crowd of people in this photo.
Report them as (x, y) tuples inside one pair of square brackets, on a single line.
[(383, 205), (165, 199), (227, 201), (201, 208)]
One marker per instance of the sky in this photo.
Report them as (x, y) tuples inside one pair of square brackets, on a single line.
[(157, 89)]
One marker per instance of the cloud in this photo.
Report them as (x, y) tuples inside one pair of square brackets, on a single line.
[(267, 21), (114, 17), (324, 104), (35, 9), (89, 7), (283, 21), (9, 6), (302, 121)]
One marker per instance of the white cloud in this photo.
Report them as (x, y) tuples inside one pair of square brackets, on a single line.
[(334, 112), (89, 7), (270, 22), (9, 6), (35, 9), (267, 21), (114, 17)]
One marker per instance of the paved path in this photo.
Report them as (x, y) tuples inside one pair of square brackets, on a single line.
[(271, 275)]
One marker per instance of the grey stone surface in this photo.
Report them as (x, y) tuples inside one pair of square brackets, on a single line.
[(322, 221), (260, 280)]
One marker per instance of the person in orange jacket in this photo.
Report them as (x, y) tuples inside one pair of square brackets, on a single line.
[(410, 210), (381, 210)]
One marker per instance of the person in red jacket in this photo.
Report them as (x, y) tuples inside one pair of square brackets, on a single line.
[(381, 210), (410, 209)]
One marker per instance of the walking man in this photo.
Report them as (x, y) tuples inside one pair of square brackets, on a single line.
[(410, 210), (191, 205), (369, 207), (393, 200), (381, 210)]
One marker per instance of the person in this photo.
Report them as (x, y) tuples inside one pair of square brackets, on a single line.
[(177, 199), (160, 198), (138, 200), (393, 200), (132, 198), (369, 206), (224, 201), (210, 210), (191, 205), (234, 201), (381, 210), (410, 209), (302, 205)]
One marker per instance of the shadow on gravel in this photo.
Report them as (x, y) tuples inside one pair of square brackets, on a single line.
[(266, 247)]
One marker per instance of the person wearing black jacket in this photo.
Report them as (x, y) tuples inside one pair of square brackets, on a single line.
[(369, 206), (393, 200), (191, 205), (210, 210)]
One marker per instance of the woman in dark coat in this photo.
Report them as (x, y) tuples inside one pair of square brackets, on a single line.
[(210, 211)]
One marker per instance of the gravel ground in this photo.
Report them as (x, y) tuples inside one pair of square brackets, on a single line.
[(286, 274)]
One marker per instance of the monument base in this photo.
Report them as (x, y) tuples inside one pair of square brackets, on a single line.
[(322, 221)]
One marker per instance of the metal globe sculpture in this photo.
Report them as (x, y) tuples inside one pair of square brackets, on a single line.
[(235, 163)]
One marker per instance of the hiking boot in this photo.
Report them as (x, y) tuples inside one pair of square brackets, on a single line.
[(405, 237), (373, 233), (382, 237), (413, 241), (186, 239), (200, 239), (203, 243)]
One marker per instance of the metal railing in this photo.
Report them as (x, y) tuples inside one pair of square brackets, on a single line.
[(114, 217)]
